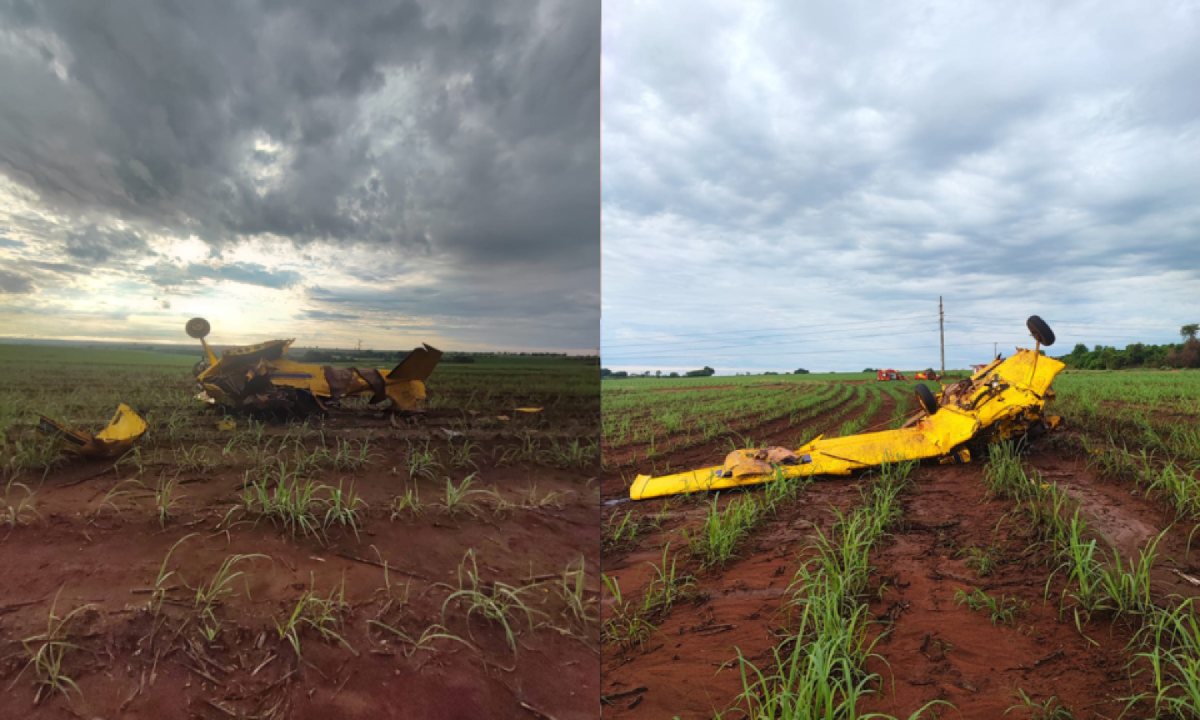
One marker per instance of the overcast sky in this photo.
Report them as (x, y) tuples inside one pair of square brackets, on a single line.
[(794, 184), (394, 172)]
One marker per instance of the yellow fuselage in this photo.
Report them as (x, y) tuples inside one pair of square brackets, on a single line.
[(234, 374), (1006, 398)]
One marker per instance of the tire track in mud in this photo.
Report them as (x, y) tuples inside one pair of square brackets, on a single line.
[(938, 650), (1123, 517)]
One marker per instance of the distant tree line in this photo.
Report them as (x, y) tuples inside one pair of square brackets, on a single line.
[(1174, 355), (617, 375), (706, 371), (325, 356), (385, 357)]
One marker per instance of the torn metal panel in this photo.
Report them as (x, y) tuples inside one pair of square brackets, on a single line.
[(261, 377), (1003, 400), (122, 432)]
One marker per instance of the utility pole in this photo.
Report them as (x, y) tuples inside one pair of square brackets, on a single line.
[(942, 332)]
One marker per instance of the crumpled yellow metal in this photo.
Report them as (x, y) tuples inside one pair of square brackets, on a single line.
[(1005, 398), (122, 432), (404, 384)]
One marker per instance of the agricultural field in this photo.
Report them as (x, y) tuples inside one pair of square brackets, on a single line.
[(345, 566), (1048, 580)]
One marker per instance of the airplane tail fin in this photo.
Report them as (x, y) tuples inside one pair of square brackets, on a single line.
[(418, 365)]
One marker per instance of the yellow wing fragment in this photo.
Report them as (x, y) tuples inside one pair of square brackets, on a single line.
[(120, 435), (1006, 399)]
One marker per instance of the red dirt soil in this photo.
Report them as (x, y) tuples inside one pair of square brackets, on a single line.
[(935, 649), (686, 666), (110, 562), (939, 650)]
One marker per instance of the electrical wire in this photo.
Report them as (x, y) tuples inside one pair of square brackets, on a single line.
[(828, 352), (777, 339), (878, 321), (665, 350)]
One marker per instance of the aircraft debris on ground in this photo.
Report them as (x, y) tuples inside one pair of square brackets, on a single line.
[(262, 378), (1003, 400), (122, 432)]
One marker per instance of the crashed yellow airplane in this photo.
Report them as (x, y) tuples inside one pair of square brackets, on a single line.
[(1005, 399), (262, 378)]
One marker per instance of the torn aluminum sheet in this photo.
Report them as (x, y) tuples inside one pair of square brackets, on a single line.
[(120, 435), (261, 378), (1003, 400)]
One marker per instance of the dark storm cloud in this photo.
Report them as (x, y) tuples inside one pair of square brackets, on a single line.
[(473, 312), (13, 284), (534, 303), (161, 103), (61, 268), (25, 277), (463, 131), (770, 164), (97, 246)]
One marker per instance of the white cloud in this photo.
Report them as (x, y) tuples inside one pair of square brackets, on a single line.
[(773, 165)]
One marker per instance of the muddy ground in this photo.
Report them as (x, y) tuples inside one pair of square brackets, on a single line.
[(929, 647), (86, 542)]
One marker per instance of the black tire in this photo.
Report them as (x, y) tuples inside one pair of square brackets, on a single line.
[(1040, 330), (197, 328), (928, 401)]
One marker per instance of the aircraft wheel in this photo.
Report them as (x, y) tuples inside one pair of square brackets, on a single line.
[(1040, 330), (928, 401), (197, 328)]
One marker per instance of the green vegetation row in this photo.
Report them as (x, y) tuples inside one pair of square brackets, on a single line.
[(714, 544), (193, 611), (82, 387), (1102, 583), (640, 384), (819, 670), (703, 415), (1137, 425)]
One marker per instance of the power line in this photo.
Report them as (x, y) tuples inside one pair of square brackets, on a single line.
[(679, 339), (724, 333), (773, 338), (1059, 329), (1057, 323), (704, 357), (832, 331), (1069, 335), (828, 352), (971, 325), (703, 351)]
